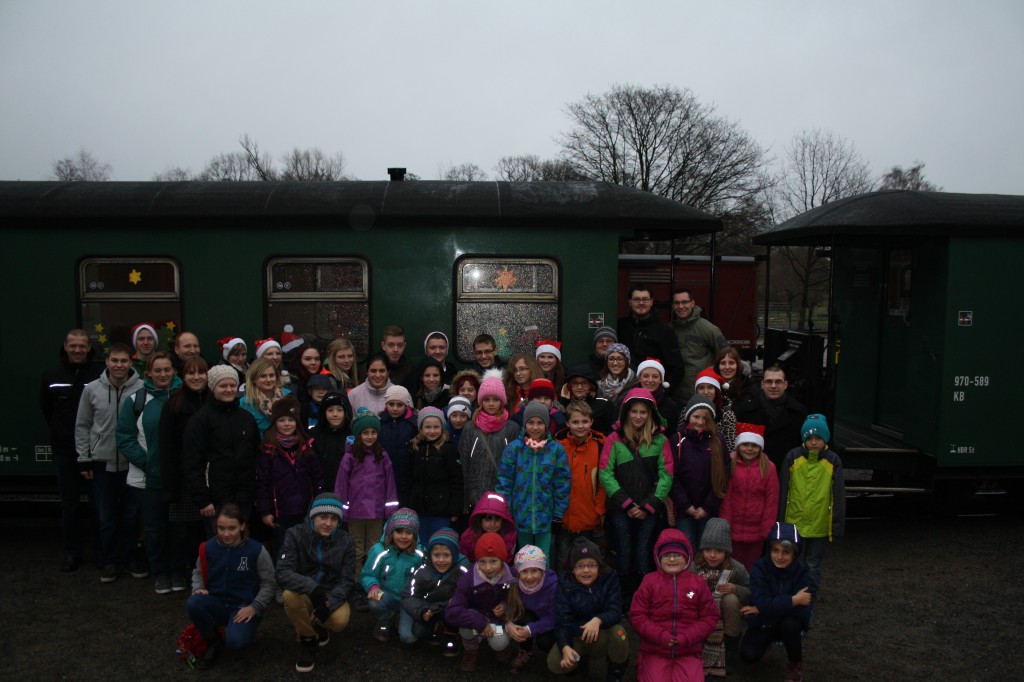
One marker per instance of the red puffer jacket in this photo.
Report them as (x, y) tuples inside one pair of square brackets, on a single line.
[(751, 503)]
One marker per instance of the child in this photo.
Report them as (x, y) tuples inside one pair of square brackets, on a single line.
[(288, 474), (458, 414), (366, 486), (752, 500), (543, 391), (729, 583), (484, 438), (709, 385), (330, 435), (673, 612), (388, 568), (318, 386), (478, 606), (701, 469), (812, 494), (426, 597), (315, 569), (650, 374), (530, 617), (585, 513), (433, 479), (397, 429), (549, 357), (466, 384), (490, 515), (231, 586), (534, 475), (780, 602), (636, 494), (588, 615)]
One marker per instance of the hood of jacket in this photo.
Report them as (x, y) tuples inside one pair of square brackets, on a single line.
[(673, 535)]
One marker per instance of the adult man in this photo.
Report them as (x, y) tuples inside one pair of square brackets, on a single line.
[(59, 396), (393, 345), (144, 340), (485, 354), (698, 339), (436, 346), (780, 414), (102, 463), (186, 345), (603, 337), (646, 337)]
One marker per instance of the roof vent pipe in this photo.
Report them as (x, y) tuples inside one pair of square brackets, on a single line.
[(396, 174)]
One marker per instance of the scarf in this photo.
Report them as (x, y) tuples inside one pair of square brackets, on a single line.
[(611, 387), (429, 396), (287, 443), (266, 404), (491, 581), (535, 444), (488, 423), (773, 408), (535, 589)]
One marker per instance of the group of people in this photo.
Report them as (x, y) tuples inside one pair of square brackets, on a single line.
[(461, 506)]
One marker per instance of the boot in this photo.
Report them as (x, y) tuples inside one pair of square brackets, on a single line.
[(468, 663), (794, 671), (308, 646), (732, 654), (520, 661), (214, 647), (616, 671)]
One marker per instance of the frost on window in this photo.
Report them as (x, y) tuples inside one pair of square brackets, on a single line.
[(323, 321)]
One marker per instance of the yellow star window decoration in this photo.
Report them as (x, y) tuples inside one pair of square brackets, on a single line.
[(134, 276), (505, 280)]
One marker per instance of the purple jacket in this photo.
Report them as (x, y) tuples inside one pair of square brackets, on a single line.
[(474, 599), (542, 605), (367, 488), (691, 485), (285, 487)]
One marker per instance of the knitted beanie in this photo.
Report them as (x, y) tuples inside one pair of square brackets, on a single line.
[(582, 549), (364, 420), (459, 403), (219, 373), (492, 387), (717, 535), (621, 349), (536, 409), (287, 406), (403, 518), (815, 425), (786, 535), (334, 398), (447, 537), (399, 393), (698, 401), (428, 412), (530, 556), (606, 333), (541, 387), (491, 545), (326, 503)]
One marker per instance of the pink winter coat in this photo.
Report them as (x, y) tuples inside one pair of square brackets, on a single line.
[(751, 502)]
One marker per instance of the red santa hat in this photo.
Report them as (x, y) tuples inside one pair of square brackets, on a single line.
[(227, 343), (289, 340), (138, 328), (553, 347), (654, 363), (749, 433), (708, 376), (263, 345)]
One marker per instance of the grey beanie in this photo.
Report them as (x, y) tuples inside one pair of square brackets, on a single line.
[(717, 535), (698, 401), (537, 409), (605, 333)]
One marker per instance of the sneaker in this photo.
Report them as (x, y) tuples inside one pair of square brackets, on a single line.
[(178, 583), (162, 585), (109, 573), (323, 635), (137, 569), (380, 633), (307, 655), (520, 661), (468, 663), (451, 649)]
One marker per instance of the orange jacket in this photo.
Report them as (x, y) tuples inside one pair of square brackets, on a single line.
[(586, 496)]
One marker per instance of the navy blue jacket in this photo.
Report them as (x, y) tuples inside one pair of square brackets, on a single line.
[(395, 435), (575, 605), (772, 590)]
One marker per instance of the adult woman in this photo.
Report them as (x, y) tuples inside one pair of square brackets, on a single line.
[(616, 377), (520, 372), (371, 394), (236, 355), (138, 427), (549, 357), (270, 349), (262, 389), (184, 528), (430, 390), (305, 365), (651, 375), (466, 383), (734, 373), (340, 363)]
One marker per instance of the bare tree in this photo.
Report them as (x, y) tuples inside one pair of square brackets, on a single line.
[(530, 168), (82, 166), (911, 178), (662, 140), (229, 167), (261, 164), (312, 164), (173, 174), (464, 172)]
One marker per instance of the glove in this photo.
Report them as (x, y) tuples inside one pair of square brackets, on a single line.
[(319, 599)]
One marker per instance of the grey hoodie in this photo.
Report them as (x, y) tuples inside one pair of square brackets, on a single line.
[(95, 427)]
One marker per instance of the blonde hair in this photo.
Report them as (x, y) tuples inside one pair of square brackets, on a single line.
[(255, 369), (762, 461), (438, 444), (646, 435), (347, 379)]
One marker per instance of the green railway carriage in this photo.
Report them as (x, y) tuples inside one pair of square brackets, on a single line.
[(923, 323), (520, 261)]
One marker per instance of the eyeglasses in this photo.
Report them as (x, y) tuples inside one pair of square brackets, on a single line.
[(585, 566), (682, 302), (646, 299), (773, 382)]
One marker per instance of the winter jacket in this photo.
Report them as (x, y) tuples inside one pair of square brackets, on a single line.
[(308, 561), (286, 482), (587, 497), (536, 484), (389, 568), (480, 454), (625, 483), (138, 436), (781, 432), (474, 600), (772, 590), (367, 488), (738, 576), (239, 576), (576, 604), (366, 396), (691, 485), (172, 441), (329, 446), (751, 502), (429, 590), (221, 445), (649, 338), (262, 420), (60, 391), (812, 493), (541, 605), (494, 504), (395, 436), (433, 481), (667, 606), (699, 342), (96, 423)]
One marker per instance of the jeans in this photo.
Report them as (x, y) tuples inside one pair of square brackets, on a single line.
[(410, 629), (814, 554), (692, 528), (154, 529), (208, 612), (382, 609), (71, 485), (118, 514), (634, 541)]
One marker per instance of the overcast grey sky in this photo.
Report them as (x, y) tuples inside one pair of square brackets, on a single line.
[(146, 85)]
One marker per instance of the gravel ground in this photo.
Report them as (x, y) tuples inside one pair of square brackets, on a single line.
[(904, 597)]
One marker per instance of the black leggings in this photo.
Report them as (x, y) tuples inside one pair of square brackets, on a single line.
[(757, 640)]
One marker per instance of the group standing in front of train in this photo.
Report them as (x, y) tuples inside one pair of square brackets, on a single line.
[(362, 481)]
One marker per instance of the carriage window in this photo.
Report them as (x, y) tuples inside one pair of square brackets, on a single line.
[(899, 283), (515, 300), (118, 293), (321, 298)]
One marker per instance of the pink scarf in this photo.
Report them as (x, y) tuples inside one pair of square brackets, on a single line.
[(488, 423)]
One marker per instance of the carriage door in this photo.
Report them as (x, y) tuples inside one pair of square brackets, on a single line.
[(894, 354)]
